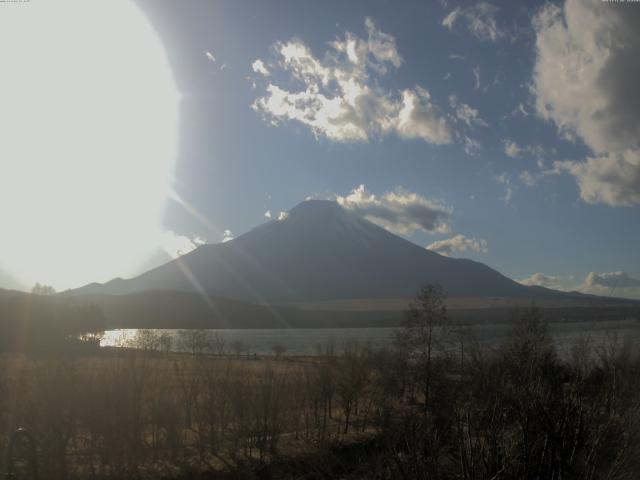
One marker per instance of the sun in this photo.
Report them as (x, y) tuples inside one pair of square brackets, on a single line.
[(88, 132)]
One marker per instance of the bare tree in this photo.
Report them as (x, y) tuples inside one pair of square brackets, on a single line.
[(217, 343), (193, 340), (424, 327), (41, 289), (165, 342), (147, 339), (279, 351), (238, 347)]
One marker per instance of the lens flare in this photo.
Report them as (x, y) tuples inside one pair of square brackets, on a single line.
[(88, 122)]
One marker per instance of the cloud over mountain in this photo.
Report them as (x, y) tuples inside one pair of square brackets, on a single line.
[(542, 280), (176, 245), (585, 81), (459, 243), (340, 97), (399, 211), (617, 284), (612, 279)]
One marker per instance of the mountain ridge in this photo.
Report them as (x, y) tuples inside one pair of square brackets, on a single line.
[(320, 252)]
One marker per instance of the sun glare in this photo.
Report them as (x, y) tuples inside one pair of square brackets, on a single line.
[(88, 118)]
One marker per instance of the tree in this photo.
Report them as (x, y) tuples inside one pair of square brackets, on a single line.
[(279, 350), (39, 289), (423, 330), (238, 346), (193, 340), (147, 339), (217, 343), (165, 342)]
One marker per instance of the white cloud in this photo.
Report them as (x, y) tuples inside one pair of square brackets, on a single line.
[(520, 110), (466, 114), (612, 280), (505, 180), (542, 280), (211, 57), (281, 216), (176, 245), (528, 178), (616, 284), (476, 76), (458, 243), (400, 212), (450, 19), (227, 235), (420, 118), (513, 150), (478, 19), (585, 81), (471, 146), (531, 178), (259, 67), (612, 179), (340, 98)]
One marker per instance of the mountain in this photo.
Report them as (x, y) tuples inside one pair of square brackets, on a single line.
[(320, 252)]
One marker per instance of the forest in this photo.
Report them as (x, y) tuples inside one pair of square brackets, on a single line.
[(436, 405)]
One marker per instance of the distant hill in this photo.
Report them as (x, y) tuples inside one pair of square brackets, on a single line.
[(322, 252), (170, 309)]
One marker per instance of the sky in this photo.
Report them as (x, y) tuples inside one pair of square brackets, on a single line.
[(508, 133)]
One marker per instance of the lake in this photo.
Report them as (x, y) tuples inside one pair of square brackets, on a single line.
[(310, 341)]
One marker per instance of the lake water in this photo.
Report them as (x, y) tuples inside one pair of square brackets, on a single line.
[(310, 341)]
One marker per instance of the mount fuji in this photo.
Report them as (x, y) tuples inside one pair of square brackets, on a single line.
[(320, 252)]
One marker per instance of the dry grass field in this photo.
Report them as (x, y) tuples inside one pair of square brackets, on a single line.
[(121, 413), (419, 410)]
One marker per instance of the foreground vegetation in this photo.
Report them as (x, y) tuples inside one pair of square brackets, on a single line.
[(435, 406)]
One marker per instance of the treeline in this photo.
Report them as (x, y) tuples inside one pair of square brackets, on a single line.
[(435, 406), (39, 322), (516, 412)]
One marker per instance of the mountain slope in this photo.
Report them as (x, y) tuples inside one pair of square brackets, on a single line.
[(320, 252)]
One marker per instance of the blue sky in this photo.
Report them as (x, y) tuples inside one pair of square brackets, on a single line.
[(512, 195), (506, 132)]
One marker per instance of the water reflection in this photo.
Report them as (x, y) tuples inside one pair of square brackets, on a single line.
[(313, 341)]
